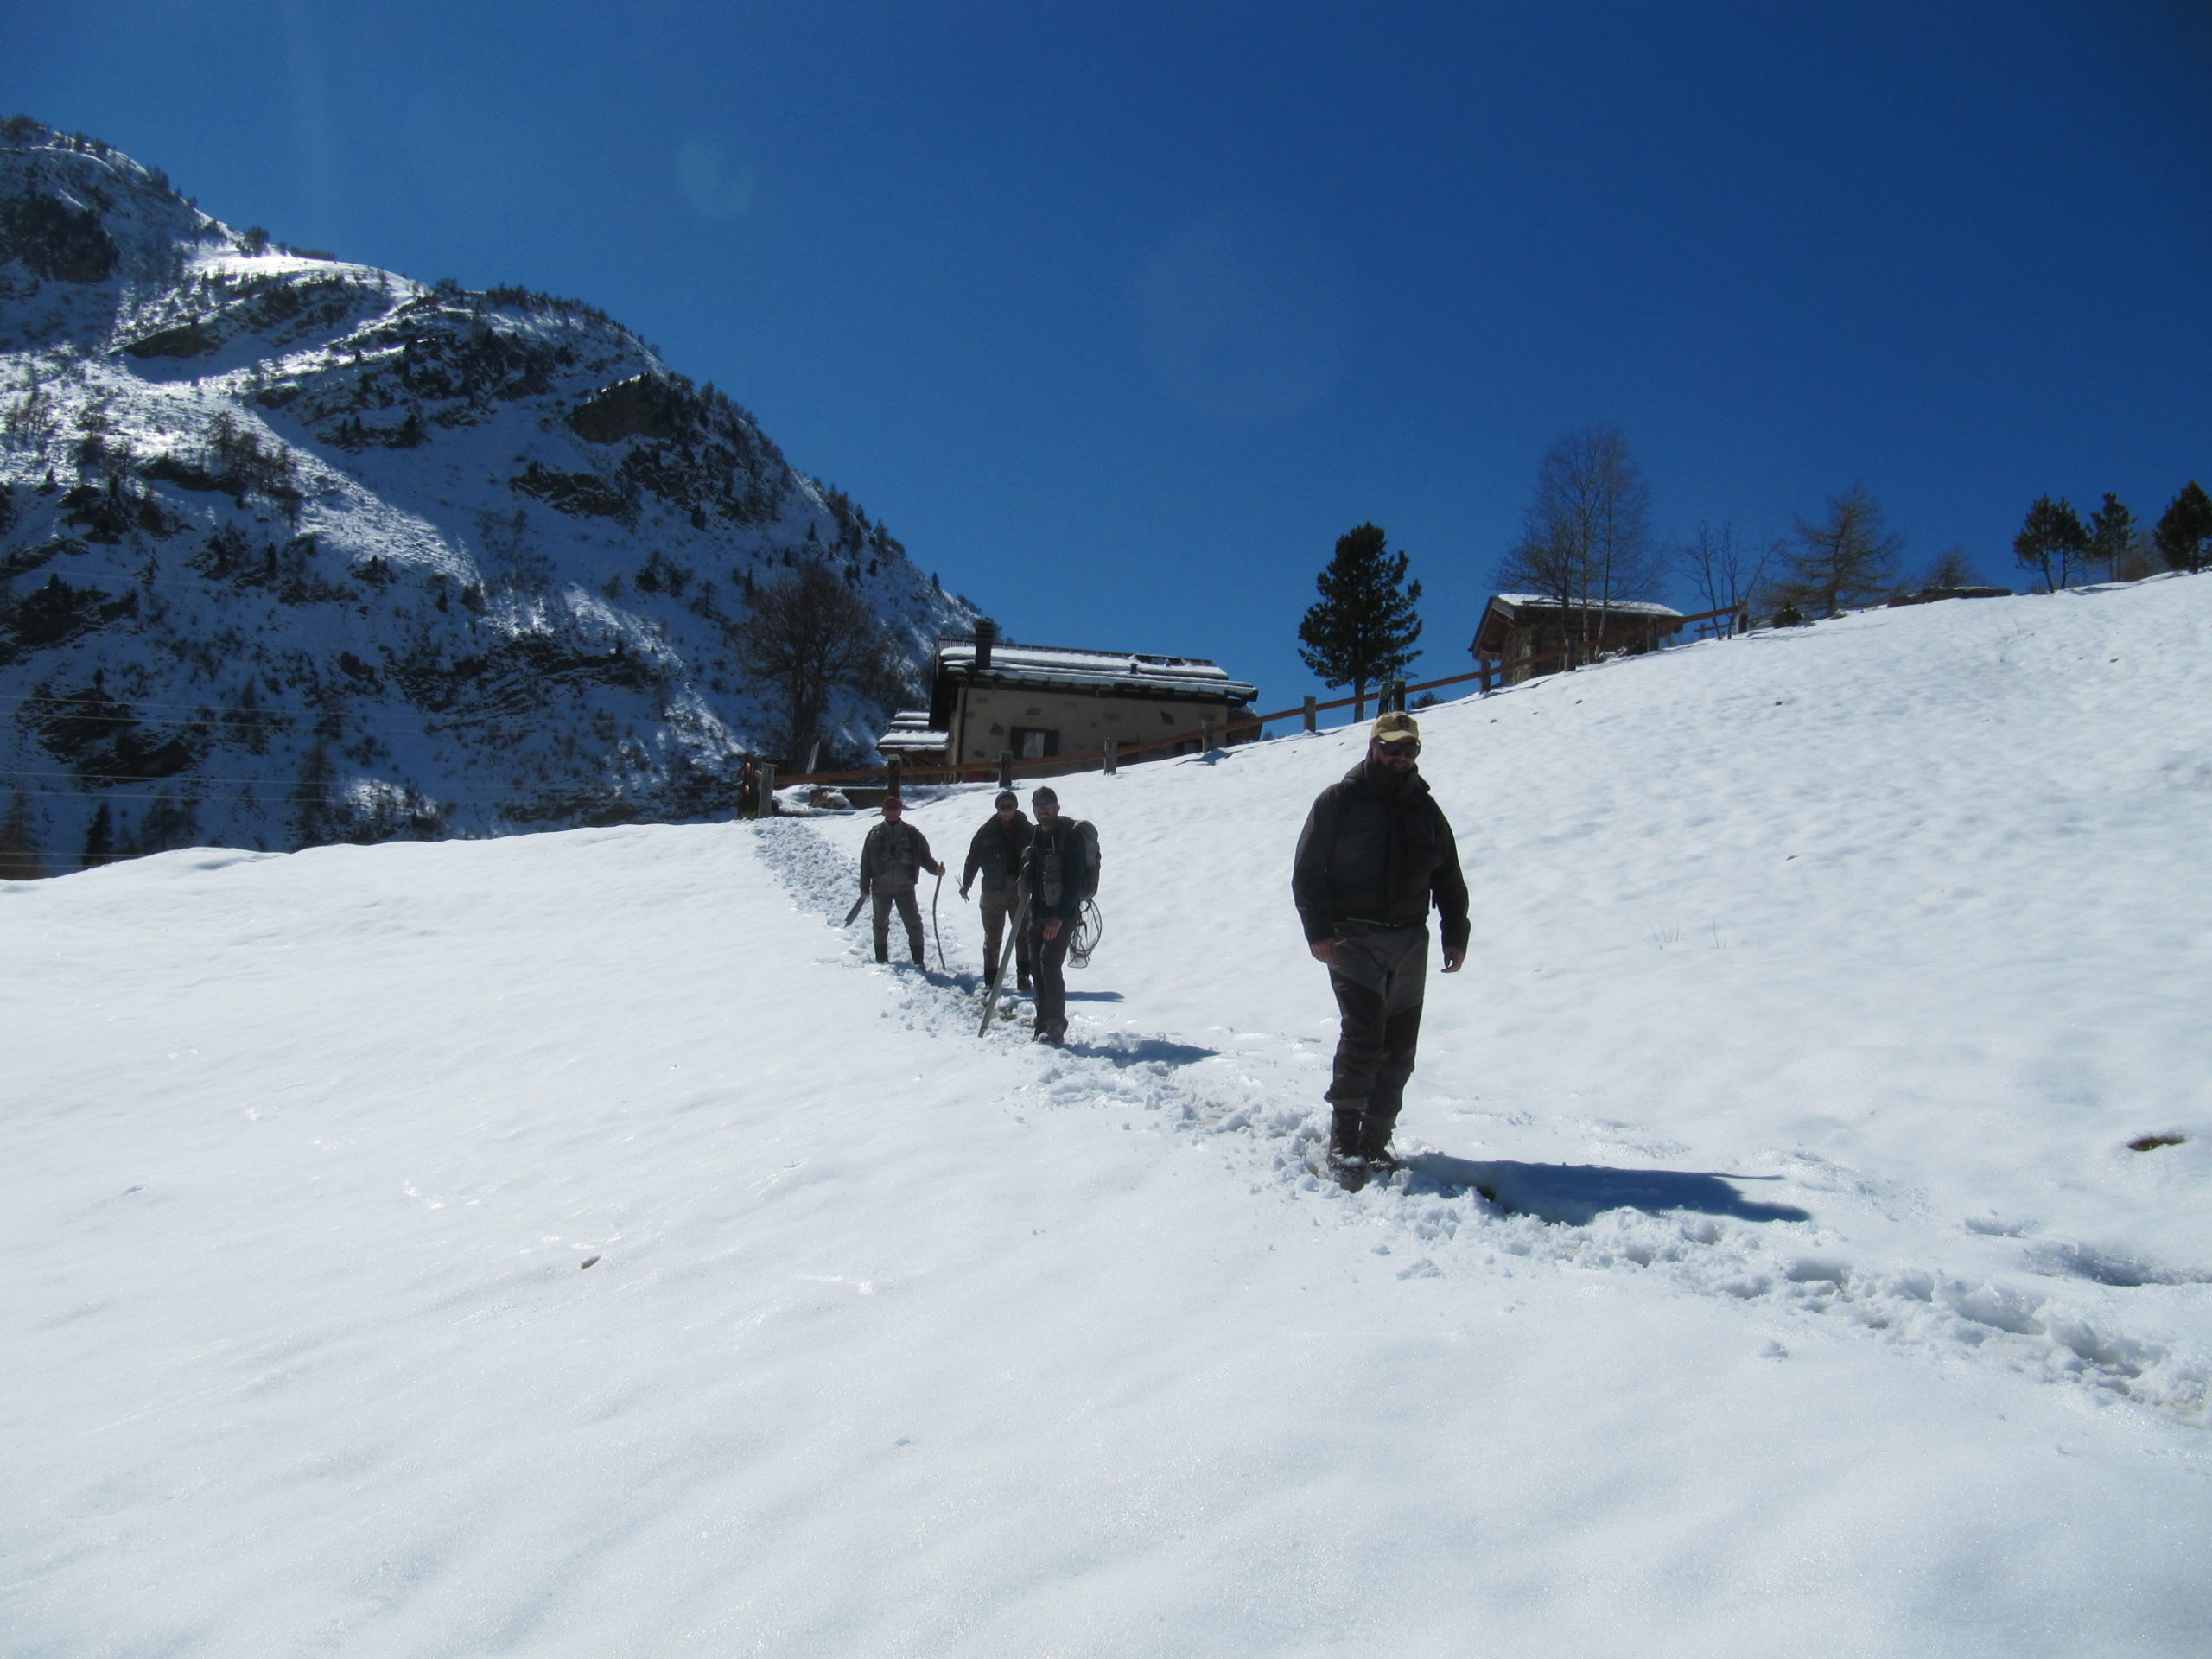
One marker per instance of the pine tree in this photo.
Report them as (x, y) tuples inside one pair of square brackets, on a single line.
[(19, 859), (99, 840), (2113, 538), (2051, 541), (1363, 629), (2185, 531)]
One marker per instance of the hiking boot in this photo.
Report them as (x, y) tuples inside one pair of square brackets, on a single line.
[(1021, 983), (1347, 1128), (1374, 1141)]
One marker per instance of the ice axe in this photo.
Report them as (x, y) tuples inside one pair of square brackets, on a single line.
[(856, 910), (934, 932), (1016, 923)]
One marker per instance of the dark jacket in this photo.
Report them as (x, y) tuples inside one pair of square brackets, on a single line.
[(996, 852), (1055, 870), (1369, 853), (891, 855)]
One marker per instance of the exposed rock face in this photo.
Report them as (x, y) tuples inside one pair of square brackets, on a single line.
[(294, 550)]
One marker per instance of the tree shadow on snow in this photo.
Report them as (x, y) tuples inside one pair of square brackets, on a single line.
[(1574, 1195)]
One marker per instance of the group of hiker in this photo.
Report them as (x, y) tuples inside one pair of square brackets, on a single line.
[(1041, 872), (1376, 856)]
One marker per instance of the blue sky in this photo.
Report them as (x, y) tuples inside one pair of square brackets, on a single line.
[(1120, 316)]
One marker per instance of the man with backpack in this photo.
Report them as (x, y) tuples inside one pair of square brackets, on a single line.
[(1375, 853), (890, 859), (995, 855), (1058, 872)]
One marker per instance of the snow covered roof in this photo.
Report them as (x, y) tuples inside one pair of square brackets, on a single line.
[(1081, 669), (910, 733), (1620, 606)]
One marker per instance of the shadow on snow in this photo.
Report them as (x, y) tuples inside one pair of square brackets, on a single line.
[(1574, 1195)]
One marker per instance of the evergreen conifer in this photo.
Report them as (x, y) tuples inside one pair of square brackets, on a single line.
[(2051, 541), (1362, 630), (2184, 532), (2113, 538)]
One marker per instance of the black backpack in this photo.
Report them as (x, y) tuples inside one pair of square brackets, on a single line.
[(1088, 831)]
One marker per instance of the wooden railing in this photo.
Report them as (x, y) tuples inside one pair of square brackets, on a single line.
[(1245, 729)]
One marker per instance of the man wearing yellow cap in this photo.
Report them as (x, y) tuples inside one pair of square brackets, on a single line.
[(1375, 853)]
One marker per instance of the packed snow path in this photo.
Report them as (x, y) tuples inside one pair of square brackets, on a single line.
[(1822, 981)]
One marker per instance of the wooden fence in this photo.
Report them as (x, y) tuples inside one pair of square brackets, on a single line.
[(1111, 756)]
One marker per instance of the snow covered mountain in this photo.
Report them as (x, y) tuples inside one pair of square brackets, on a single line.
[(294, 550)]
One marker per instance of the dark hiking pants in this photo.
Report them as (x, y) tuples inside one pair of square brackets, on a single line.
[(996, 903), (1379, 976), (1048, 961), (909, 912)]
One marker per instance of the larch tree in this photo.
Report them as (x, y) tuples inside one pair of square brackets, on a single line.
[(1846, 558), (1360, 631)]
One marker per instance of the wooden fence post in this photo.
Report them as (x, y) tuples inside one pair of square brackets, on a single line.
[(1312, 718), (1006, 768), (1482, 667), (1113, 756), (767, 789), (1205, 737), (896, 770)]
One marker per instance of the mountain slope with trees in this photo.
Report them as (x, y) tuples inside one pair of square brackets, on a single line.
[(295, 550)]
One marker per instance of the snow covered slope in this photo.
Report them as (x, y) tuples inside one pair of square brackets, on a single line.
[(572, 1245), (294, 550)]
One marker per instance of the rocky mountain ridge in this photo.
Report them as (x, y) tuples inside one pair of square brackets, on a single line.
[(295, 550)]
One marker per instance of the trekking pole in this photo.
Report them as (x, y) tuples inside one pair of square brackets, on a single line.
[(935, 932), (1016, 923)]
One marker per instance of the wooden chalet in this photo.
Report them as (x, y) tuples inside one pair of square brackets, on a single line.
[(1531, 634), (1037, 702)]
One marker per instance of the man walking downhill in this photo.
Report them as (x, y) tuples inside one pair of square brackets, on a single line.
[(1375, 852), (890, 859), (995, 855), (1055, 877)]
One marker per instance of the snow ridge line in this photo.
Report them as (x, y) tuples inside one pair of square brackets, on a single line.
[(1788, 1269)]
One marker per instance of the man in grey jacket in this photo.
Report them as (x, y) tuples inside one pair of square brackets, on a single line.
[(1375, 853), (890, 859)]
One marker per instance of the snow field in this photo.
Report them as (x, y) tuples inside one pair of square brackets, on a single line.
[(1820, 980)]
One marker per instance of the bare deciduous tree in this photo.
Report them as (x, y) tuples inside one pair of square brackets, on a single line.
[(1726, 569), (1846, 558), (1586, 539), (1952, 568), (805, 638)]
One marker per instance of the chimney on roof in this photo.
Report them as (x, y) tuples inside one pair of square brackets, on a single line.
[(987, 635)]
